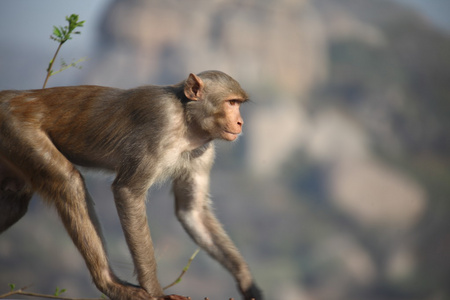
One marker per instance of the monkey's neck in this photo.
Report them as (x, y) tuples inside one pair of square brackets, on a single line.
[(196, 136)]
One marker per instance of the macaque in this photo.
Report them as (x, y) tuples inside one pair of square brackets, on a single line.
[(144, 135)]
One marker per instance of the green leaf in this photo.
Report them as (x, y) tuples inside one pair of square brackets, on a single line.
[(58, 291), (12, 286), (56, 31)]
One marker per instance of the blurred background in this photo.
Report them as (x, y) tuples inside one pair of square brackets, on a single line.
[(339, 187)]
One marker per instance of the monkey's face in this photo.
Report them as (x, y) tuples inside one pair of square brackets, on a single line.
[(232, 121), (215, 106)]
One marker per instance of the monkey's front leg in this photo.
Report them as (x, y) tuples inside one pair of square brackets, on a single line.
[(131, 209), (133, 218), (194, 212)]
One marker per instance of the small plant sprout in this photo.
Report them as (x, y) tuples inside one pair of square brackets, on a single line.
[(58, 291), (61, 35)]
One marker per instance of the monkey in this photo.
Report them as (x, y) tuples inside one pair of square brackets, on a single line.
[(144, 135)]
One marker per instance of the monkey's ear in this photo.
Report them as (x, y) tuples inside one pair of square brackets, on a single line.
[(193, 87)]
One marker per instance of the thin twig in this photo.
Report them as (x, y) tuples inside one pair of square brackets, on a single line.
[(30, 294), (184, 270), (50, 66)]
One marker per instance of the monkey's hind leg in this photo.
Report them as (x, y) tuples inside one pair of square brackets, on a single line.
[(62, 185)]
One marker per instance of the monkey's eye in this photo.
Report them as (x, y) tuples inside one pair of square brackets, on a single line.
[(233, 102)]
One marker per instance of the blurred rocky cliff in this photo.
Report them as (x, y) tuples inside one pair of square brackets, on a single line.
[(339, 187), (349, 122)]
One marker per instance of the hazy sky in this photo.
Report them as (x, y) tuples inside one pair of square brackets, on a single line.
[(25, 20), (436, 10), (29, 23), (25, 46)]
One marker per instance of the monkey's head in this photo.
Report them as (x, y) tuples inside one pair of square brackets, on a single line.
[(215, 104)]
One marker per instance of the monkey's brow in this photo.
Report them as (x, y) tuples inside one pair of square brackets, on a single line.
[(238, 99), (242, 99)]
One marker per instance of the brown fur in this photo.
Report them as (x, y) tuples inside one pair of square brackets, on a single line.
[(144, 135)]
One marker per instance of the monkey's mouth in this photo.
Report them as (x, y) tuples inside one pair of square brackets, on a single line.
[(229, 136), (233, 133)]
